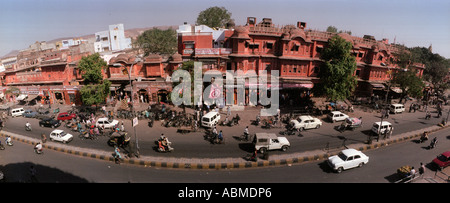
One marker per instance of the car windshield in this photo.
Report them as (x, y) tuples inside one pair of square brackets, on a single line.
[(62, 134), (342, 156), (442, 158), (206, 119)]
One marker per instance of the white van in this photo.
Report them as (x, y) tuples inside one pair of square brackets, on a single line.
[(381, 127), (210, 119), (17, 112), (397, 108)]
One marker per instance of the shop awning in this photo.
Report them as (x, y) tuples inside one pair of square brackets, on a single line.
[(396, 90), (21, 97), (31, 97), (377, 86), (301, 84)]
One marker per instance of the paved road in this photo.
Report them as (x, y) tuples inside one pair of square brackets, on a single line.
[(60, 167), (193, 145)]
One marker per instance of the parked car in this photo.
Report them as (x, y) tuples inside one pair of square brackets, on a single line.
[(107, 123), (66, 116), (347, 159), (270, 141), (60, 136), (305, 122), (30, 114), (49, 122), (337, 116), (443, 160)]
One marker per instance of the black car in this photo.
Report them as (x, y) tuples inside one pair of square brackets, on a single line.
[(49, 122)]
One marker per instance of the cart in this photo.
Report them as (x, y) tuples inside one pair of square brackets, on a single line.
[(350, 124)]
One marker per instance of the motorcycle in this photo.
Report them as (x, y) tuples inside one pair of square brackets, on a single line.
[(433, 144), (428, 116), (2, 147), (120, 140), (8, 141), (163, 146), (424, 137), (28, 127), (38, 149)]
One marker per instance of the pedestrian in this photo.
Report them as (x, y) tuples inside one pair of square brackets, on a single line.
[(390, 131), (228, 111), (43, 138), (412, 172), (122, 127), (421, 169)]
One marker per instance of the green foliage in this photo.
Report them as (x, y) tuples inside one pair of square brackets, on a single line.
[(95, 94), (91, 68), (332, 29), (214, 17), (335, 30), (336, 74), (96, 89), (409, 82), (157, 41)]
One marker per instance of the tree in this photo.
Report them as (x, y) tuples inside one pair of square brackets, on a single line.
[(157, 41), (335, 30), (410, 83), (336, 73), (95, 88), (332, 29), (214, 17)]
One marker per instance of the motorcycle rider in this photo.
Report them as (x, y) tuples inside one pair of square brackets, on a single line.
[(433, 143), (38, 148), (246, 133), (8, 141), (117, 155), (27, 126), (424, 136)]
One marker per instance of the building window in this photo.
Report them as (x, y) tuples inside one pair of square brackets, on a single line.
[(295, 47), (269, 45)]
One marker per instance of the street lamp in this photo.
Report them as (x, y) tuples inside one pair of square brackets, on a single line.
[(136, 60)]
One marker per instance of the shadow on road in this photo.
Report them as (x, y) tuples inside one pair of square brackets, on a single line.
[(21, 173)]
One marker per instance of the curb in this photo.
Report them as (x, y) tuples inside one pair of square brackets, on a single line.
[(239, 164)]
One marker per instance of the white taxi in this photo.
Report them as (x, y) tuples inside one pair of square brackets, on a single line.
[(346, 159), (305, 122)]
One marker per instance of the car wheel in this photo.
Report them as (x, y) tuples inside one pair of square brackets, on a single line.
[(284, 148), (317, 126), (361, 164), (340, 169), (263, 150), (41, 125), (301, 129)]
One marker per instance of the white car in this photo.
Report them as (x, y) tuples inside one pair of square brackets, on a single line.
[(305, 122), (337, 116), (61, 136), (346, 159), (107, 123), (270, 141)]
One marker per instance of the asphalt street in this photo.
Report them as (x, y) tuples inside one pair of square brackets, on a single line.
[(193, 145), (54, 166)]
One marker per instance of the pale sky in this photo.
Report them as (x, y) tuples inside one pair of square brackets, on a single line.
[(409, 22)]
